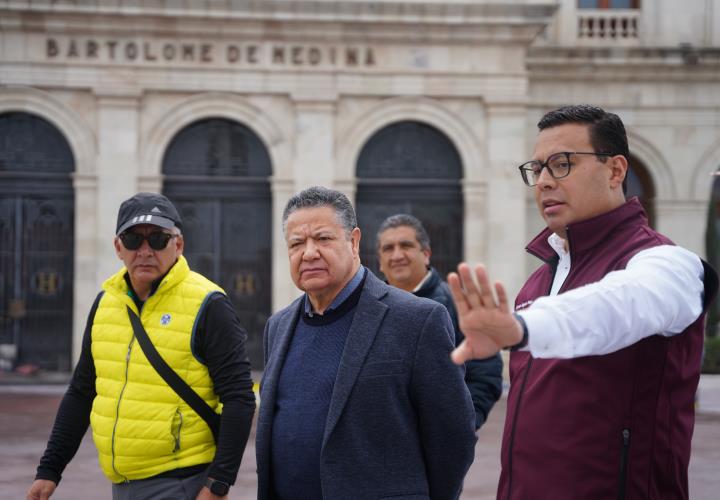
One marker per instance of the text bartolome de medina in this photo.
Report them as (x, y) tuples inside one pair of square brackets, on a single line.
[(156, 51)]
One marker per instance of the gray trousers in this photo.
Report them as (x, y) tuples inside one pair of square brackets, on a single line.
[(164, 488)]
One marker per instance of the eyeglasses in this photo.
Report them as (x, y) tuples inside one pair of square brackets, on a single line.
[(157, 240), (558, 165)]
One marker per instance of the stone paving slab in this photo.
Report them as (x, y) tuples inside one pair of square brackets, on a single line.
[(27, 412)]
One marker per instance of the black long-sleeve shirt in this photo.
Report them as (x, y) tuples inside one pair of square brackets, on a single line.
[(219, 342)]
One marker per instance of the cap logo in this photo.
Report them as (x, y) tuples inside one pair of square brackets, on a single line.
[(141, 218), (156, 210), (165, 319)]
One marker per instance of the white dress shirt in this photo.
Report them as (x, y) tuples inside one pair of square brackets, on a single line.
[(659, 292)]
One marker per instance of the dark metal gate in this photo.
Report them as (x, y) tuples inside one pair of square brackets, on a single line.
[(411, 167), (36, 244), (217, 174)]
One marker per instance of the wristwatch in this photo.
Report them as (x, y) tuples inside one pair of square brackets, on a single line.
[(216, 487), (524, 341)]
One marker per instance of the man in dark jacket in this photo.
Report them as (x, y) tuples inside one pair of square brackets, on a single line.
[(404, 253), (607, 333), (360, 400)]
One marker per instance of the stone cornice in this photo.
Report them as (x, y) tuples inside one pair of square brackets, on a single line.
[(431, 21), (684, 63), (406, 11)]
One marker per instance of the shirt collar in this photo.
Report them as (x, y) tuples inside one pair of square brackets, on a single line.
[(557, 244), (423, 281), (340, 297)]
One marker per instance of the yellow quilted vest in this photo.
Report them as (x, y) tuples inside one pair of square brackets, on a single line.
[(141, 427)]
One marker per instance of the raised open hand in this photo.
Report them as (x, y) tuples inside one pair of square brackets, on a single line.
[(486, 322)]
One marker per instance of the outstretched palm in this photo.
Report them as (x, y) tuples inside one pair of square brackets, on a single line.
[(487, 323)]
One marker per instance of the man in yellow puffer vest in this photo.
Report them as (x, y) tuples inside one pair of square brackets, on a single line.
[(149, 440)]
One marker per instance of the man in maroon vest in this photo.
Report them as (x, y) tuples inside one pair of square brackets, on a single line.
[(606, 336)]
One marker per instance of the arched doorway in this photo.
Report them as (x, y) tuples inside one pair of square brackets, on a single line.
[(414, 168), (217, 174), (640, 184), (36, 244)]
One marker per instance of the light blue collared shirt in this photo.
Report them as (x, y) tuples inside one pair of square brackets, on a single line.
[(340, 297)]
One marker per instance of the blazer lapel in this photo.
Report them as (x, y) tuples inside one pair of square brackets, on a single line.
[(368, 317)]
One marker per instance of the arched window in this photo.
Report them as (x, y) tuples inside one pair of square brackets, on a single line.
[(640, 184), (217, 174), (36, 243), (412, 167)]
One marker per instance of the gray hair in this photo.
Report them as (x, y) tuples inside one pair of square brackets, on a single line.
[(319, 196), (399, 220)]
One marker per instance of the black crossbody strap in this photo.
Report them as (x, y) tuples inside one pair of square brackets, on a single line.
[(172, 379)]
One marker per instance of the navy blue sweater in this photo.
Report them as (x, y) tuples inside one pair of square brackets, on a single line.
[(303, 399)]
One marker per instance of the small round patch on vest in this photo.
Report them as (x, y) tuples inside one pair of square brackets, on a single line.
[(165, 320)]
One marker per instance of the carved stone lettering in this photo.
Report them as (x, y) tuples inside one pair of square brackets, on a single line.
[(314, 56), (169, 52), (351, 56), (188, 52), (206, 52), (369, 57), (111, 44), (72, 49), (278, 55), (147, 53), (51, 48), (297, 56), (131, 51), (233, 53), (252, 54), (91, 49)]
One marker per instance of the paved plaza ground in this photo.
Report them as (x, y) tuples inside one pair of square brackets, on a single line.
[(27, 412)]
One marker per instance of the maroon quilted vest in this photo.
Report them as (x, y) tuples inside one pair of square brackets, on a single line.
[(601, 427)]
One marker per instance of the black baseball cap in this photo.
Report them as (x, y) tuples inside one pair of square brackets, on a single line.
[(147, 208)]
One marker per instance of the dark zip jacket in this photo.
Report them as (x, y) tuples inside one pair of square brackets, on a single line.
[(483, 377), (602, 427)]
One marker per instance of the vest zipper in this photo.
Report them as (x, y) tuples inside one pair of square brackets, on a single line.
[(624, 463), (177, 436), (117, 408), (511, 443)]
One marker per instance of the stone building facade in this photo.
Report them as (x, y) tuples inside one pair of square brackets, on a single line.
[(231, 106)]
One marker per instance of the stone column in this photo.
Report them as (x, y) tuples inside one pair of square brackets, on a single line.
[(313, 163), (86, 255), (283, 288), (506, 202), (117, 169), (674, 217), (314, 158), (475, 193)]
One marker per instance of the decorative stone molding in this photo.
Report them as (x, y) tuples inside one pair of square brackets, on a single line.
[(657, 165), (507, 19), (351, 141), (213, 105), (702, 182)]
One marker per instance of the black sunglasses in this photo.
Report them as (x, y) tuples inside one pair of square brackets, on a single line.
[(157, 240)]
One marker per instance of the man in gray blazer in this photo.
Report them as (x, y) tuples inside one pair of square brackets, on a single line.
[(360, 399)]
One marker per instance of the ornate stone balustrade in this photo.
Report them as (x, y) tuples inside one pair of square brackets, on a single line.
[(611, 26)]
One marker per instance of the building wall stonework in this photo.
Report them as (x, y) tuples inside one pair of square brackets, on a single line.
[(315, 80)]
